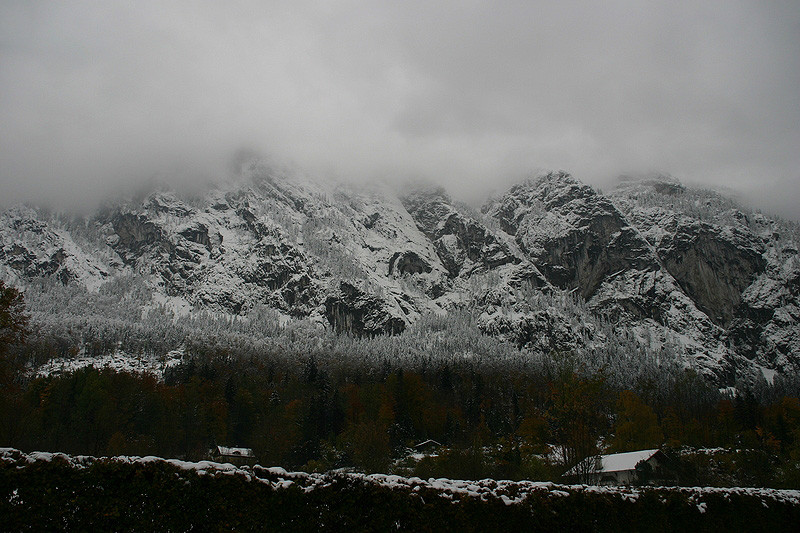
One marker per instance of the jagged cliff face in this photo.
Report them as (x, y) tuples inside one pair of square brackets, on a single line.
[(720, 284), (576, 237), (713, 264), (31, 247), (583, 243), (740, 269), (463, 245)]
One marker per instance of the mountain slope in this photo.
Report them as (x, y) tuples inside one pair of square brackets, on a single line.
[(550, 265)]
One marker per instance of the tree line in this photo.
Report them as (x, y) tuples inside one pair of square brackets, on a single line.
[(322, 417), (321, 402)]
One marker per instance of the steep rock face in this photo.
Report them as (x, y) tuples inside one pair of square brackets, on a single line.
[(386, 243), (766, 325), (529, 322), (576, 237), (463, 244), (408, 263), (135, 232), (583, 243), (267, 240), (712, 263), (217, 254), (197, 232), (351, 310), (31, 248), (741, 269), (765, 328)]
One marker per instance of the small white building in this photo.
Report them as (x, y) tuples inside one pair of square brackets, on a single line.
[(235, 456), (615, 468)]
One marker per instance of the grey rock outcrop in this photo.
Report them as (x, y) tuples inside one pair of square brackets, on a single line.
[(31, 249), (351, 310), (463, 244), (713, 264), (741, 269), (577, 238)]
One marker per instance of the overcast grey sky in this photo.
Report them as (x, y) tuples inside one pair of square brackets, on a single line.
[(475, 94)]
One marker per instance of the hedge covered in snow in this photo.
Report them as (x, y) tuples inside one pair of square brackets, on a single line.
[(43, 491)]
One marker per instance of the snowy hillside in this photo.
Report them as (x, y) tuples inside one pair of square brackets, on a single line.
[(673, 274)]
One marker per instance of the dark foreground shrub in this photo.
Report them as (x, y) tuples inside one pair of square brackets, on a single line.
[(42, 492)]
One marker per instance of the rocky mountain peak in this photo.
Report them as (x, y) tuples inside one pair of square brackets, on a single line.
[(574, 235), (551, 264)]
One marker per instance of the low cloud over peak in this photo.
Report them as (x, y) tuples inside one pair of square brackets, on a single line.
[(472, 94)]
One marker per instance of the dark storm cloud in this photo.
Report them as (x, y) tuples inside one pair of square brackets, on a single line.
[(96, 95)]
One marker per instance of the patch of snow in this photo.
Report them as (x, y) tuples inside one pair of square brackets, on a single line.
[(117, 361)]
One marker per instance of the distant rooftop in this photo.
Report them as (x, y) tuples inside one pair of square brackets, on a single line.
[(239, 452), (429, 442), (616, 462)]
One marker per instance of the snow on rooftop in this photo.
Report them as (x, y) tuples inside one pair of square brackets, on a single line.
[(617, 462), (624, 461), (242, 452), (429, 442)]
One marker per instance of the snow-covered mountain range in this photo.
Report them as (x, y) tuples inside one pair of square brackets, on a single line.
[(687, 274)]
